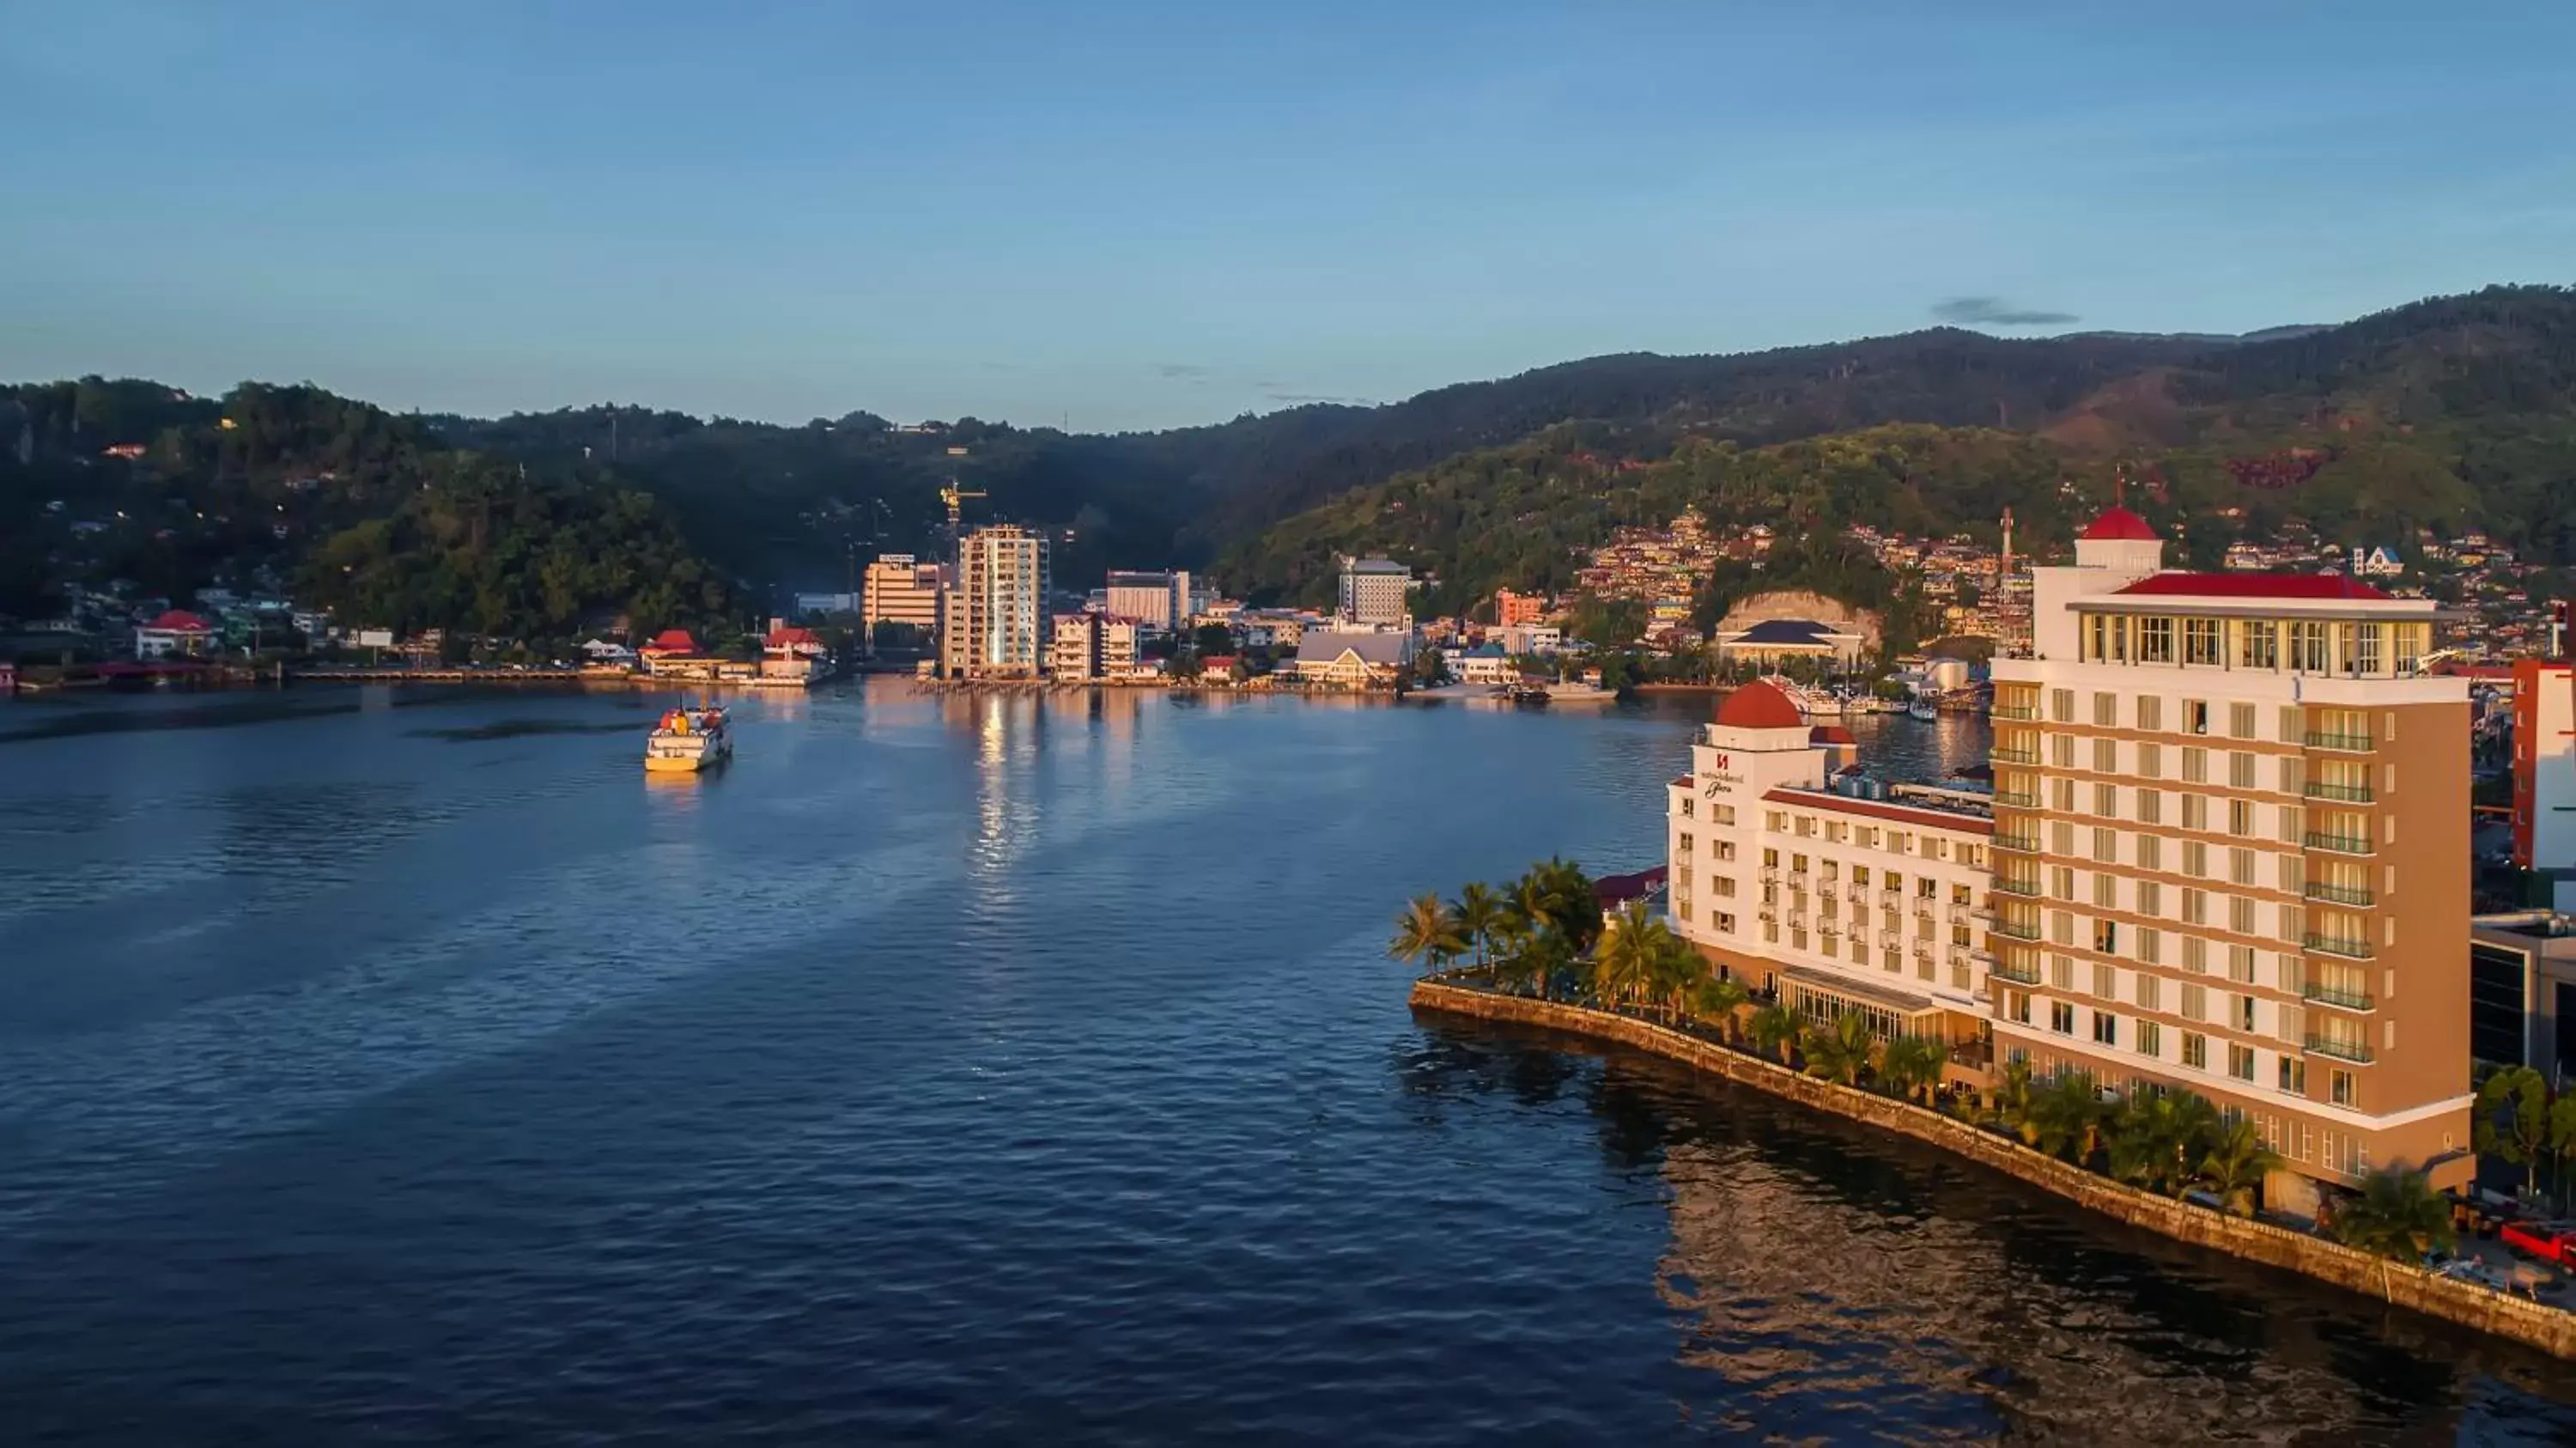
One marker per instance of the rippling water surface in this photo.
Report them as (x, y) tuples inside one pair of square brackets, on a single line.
[(409, 1068)]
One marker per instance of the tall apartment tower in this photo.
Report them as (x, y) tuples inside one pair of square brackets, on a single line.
[(1374, 591), (997, 620), (2232, 855)]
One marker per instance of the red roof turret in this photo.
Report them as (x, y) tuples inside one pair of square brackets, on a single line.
[(1760, 705), (2120, 525)]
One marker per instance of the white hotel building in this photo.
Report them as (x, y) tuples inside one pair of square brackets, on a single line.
[(1841, 894)]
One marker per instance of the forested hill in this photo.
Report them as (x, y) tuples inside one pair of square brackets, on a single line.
[(2445, 413), (2457, 407), (350, 507)]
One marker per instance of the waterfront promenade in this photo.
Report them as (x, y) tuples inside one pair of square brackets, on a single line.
[(2546, 1326)]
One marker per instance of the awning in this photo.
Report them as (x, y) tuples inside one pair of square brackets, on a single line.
[(1817, 982)]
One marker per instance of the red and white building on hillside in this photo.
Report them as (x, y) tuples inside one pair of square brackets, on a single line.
[(2231, 853), (1792, 872), (177, 633)]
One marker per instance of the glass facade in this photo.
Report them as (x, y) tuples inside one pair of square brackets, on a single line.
[(2496, 978)]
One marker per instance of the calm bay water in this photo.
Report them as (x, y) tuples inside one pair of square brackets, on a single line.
[(408, 1068)]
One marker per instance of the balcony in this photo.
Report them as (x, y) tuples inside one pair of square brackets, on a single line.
[(2354, 1051), (2010, 800), (1770, 874), (1829, 891), (2339, 894), (2015, 929), (2001, 755), (2028, 713), (2348, 793), (2015, 972), (2349, 743), (2017, 844), (2345, 1000), (2345, 946), (2017, 887), (2340, 844)]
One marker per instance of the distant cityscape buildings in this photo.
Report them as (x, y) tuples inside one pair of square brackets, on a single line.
[(899, 588), (1159, 601), (996, 623), (1375, 591)]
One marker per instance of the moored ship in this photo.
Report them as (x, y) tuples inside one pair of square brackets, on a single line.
[(688, 741)]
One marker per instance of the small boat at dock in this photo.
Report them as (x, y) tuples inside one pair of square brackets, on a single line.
[(688, 741)]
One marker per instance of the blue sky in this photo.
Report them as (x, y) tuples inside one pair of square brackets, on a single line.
[(1139, 214)]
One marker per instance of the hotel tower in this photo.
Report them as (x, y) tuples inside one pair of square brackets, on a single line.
[(2231, 853)]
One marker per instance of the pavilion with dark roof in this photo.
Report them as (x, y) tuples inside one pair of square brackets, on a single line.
[(1774, 639)]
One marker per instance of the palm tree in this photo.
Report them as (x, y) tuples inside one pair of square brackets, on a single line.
[(2234, 1166), (1679, 973), (1776, 1029), (1478, 911), (2068, 1117), (1426, 934), (1623, 964), (1912, 1065), (2016, 1102), (1525, 908), (1723, 998), (2397, 1215), (1842, 1053)]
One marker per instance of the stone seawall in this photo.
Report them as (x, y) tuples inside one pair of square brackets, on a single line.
[(2547, 1328)]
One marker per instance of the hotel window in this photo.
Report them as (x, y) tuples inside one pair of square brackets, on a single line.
[(2258, 644), (1776, 821), (2151, 716), (2240, 1014), (2106, 1028), (2240, 720), (1686, 843), (2061, 750), (2106, 801), (2195, 812), (2346, 1089), (2195, 1050), (2240, 770), (1725, 885), (2308, 647), (2061, 794), (2195, 716), (2410, 646), (2195, 766), (2061, 838), (2150, 1039), (1770, 859), (1891, 881), (2149, 990), (2061, 705), (2106, 845), (2294, 1076), (1868, 837), (2290, 774), (1726, 849), (1936, 848), (2151, 806), (1690, 807), (2195, 1003), (2097, 638), (2106, 711), (1726, 814), (2151, 852), (1797, 864), (1860, 877), (1859, 951), (2017, 1006), (2240, 819), (2061, 881), (2195, 905), (2062, 927), (2106, 890), (1962, 895), (1899, 842), (2155, 641), (2293, 724), (2195, 954), (1889, 920), (2286, 819), (1961, 936), (2106, 754), (2061, 1018), (2202, 642), (2106, 982), (2061, 973), (2106, 937), (2240, 963), (2240, 867), (1836, 832), (2151, 950), (2151, 896), (1832, 870), (2195, 859), (1891, 959), (2240, 1061), (1725, 923), (2365, 648), (1807, 826)]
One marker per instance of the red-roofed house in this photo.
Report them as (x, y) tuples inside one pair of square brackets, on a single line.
[(670, 641), (791, 656), (176, 633)]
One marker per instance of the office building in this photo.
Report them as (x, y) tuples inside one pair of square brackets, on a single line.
[(996, 624), (1092, 646), (2544, 776), (1374, 591), (1159, 601), (2522, 992), (2231, 854), (1791, 872), (899, 588)]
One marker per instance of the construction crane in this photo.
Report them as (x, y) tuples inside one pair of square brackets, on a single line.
[(953, 496)]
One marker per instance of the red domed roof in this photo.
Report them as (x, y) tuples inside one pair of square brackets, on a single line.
[(1830, 734), (1760, 705), (2120, 524)]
